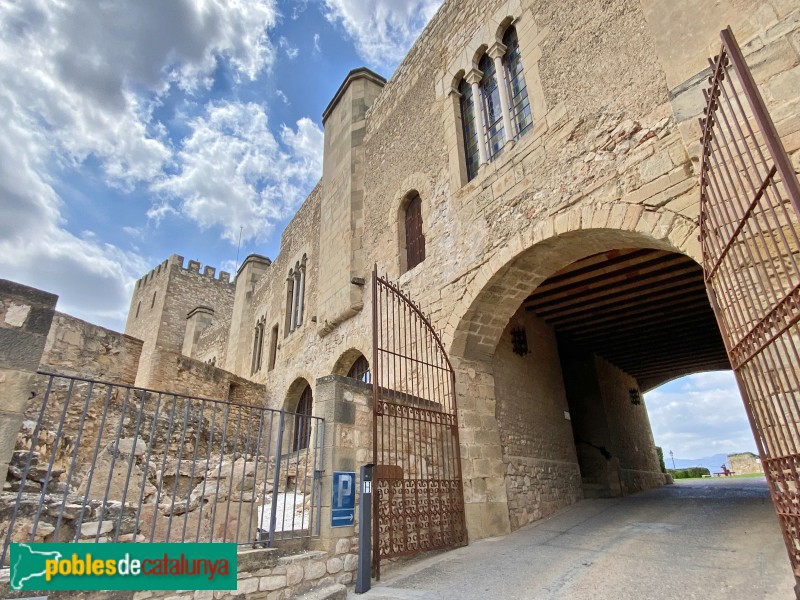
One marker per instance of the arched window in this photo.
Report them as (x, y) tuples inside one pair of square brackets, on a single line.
[(492, 111), (295, 296), (302, 421), (494, 102), (469, 129), (520, 105), (415, 237), (360, 370), (258, 346)]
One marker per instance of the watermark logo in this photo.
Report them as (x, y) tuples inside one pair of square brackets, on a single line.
[(38, 566)]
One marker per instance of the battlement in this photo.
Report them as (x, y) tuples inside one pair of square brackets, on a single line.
[(193, 266)]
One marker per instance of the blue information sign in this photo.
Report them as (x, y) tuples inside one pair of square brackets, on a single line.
[(343, 505)]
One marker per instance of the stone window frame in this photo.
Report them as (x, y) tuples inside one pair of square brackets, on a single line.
[(464, 66), (295, 296), (415, 184), (412, 220), (273, 347), (258, 346)]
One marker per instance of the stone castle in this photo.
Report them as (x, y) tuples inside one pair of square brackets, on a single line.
[(498, 208)]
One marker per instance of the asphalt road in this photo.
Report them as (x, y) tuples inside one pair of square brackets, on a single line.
[(710, 539)]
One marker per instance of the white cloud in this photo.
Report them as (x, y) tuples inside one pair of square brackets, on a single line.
[(299, 7), (383, 30), (81, 80), (234, 173), (291, 51), (280, 94), (700, 415), (317, 48)]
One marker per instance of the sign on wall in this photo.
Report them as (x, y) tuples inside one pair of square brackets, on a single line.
[(343, 503)]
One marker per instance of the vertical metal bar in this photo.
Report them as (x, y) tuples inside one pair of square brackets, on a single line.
[(274, 507), (305, 477), (244, 478), (73, 460), (319, 482), (757, 105), (171, 422), (205, 474), (90, 474), (146, 469), (103, 506), (376, 377), (190, 488), (26, 470), (53, 451), (131, 461), (266, 475), (230, 479), (219, 468), (174, 494), (254, 495)]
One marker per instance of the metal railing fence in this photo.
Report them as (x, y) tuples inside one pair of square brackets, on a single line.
[(101, 462)]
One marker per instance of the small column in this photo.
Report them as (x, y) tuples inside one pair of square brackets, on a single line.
[(295, 297), (302, 300), (497, 52), (473, 78), (292, 313)]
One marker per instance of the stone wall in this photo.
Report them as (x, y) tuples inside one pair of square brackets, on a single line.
[(611, 162), (75, 347), (266, 299), (535, 436), (264, 574), (25, 318), (745, 462), (162, 301), (631, 438), (174, 372)]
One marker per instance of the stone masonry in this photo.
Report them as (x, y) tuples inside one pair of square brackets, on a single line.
[(611, 162)]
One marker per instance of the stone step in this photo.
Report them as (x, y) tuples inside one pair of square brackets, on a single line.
[(335, 591)]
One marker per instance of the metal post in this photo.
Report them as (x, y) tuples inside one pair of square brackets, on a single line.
[(364, 575)]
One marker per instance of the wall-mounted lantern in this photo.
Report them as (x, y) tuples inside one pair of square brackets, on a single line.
[(636, 396), (519, 341)]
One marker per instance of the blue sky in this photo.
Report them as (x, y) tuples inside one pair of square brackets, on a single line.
[(134, 130)]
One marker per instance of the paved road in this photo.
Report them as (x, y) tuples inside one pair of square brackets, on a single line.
[(715, 539)]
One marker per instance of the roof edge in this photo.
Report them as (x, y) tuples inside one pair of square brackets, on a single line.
[(359, 73)]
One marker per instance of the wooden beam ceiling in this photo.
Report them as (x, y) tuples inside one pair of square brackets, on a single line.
[(644, 310)]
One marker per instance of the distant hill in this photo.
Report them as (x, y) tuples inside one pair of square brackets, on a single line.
[(712, 463)]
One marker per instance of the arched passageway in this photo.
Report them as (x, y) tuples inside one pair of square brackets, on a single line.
[(553, 355)]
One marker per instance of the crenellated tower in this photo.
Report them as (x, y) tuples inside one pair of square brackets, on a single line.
[(171, 306)]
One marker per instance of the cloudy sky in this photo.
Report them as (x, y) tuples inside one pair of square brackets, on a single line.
[(700, 415), (132, 130)]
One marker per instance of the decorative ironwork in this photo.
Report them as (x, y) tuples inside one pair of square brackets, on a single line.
[(418, 498), (750, 238)]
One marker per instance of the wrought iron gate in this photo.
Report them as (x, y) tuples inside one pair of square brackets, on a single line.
[(749, 232), (418, 499)]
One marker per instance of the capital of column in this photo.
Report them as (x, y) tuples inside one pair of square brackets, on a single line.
[(474, 77), (497, 50)]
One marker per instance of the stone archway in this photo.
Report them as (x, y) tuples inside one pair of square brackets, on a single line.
[(487, 299)]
